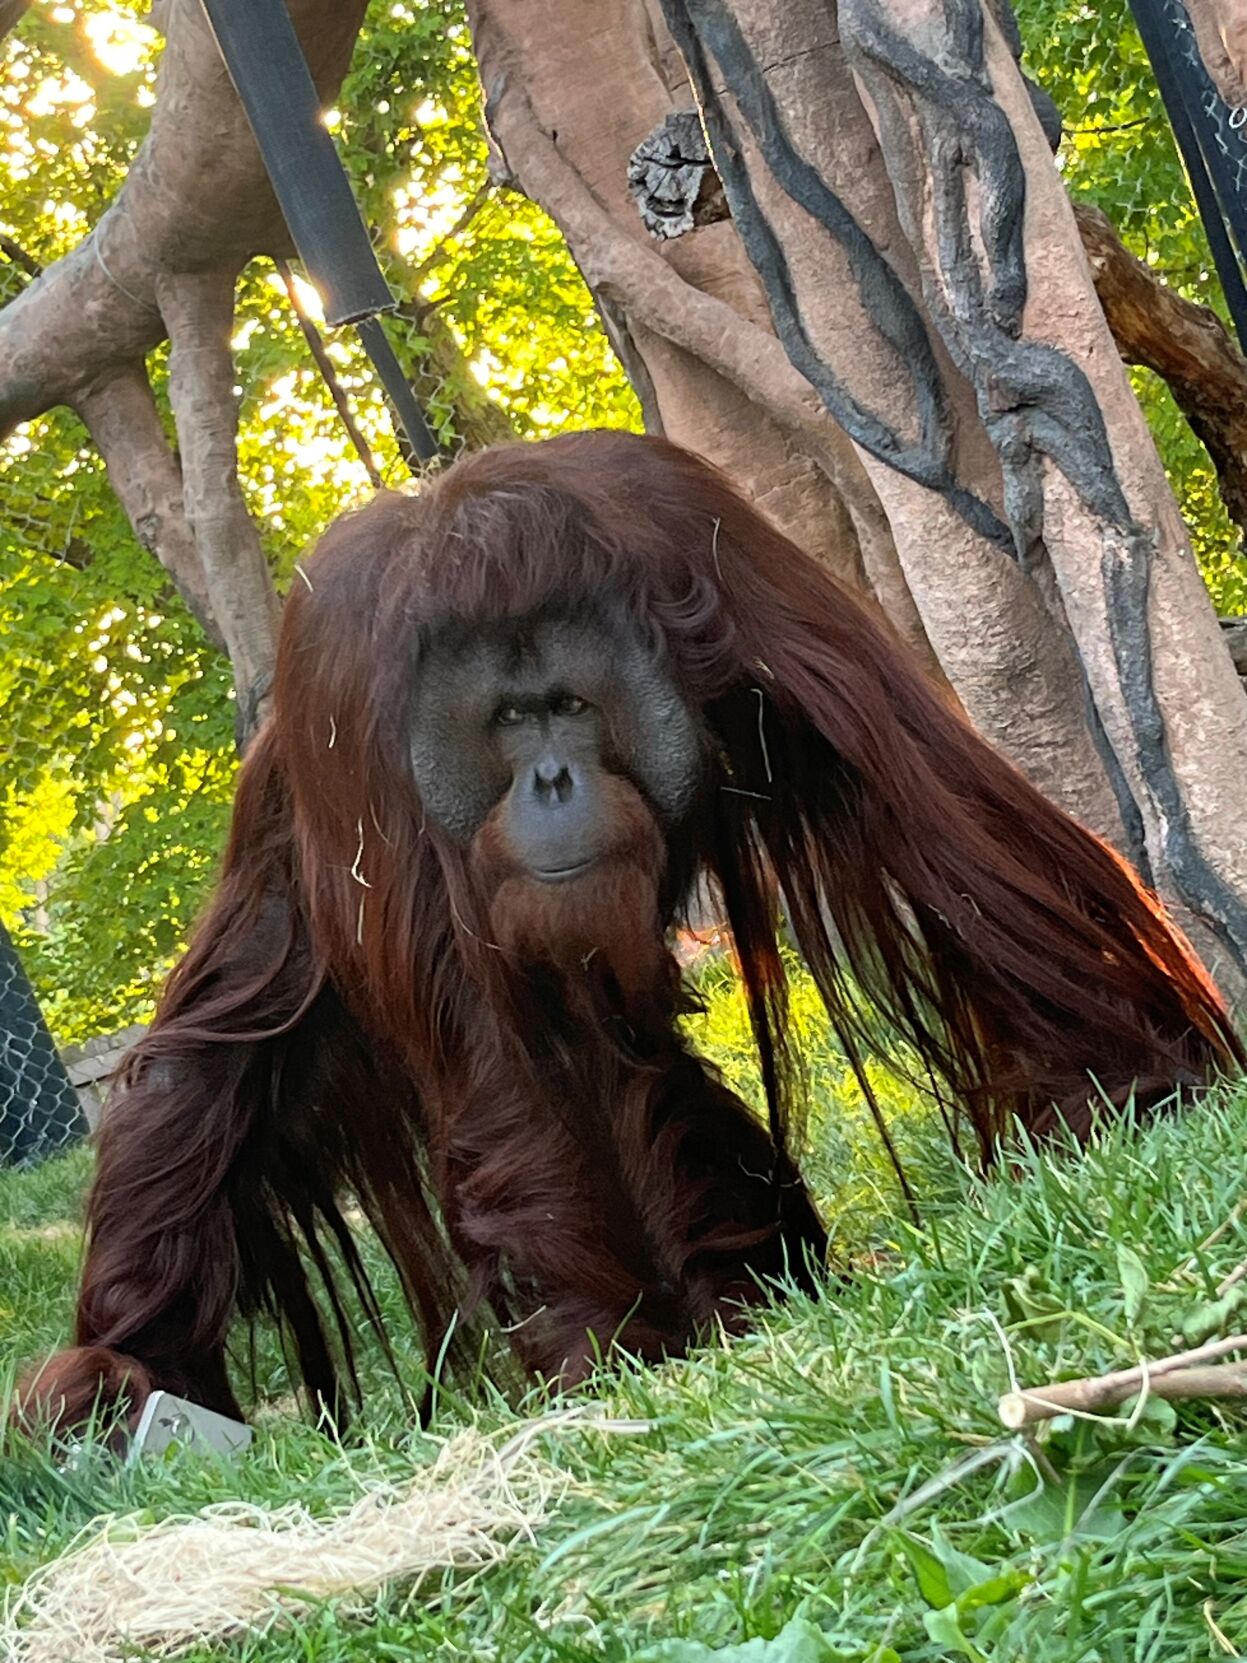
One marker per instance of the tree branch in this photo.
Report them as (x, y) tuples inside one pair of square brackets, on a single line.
[(195, 198), (195, 206), (437, 253), (123, 420), (324, 363), (11, 14), (1186, 1374), (13, 250), (1185, 344), (199, 310), (440, 376)]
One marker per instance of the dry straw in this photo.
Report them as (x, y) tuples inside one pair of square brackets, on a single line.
[(123, 1586)]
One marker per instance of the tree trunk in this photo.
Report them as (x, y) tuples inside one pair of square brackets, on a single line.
[(567, 100), (899, 213), (565, 108), (11, 14), (1006, 283)]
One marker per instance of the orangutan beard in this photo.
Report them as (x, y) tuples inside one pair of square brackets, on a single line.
[(599, 927), (602, 932)]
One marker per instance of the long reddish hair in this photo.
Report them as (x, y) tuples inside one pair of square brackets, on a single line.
[(925, 878), (343, 993)]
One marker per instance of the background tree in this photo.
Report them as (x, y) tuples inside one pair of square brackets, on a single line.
[(119, 757), (896, 210)]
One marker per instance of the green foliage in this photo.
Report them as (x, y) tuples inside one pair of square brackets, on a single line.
[(843, 1152), (1119, 153), (483, 259), (797, 1642), (117, 759)]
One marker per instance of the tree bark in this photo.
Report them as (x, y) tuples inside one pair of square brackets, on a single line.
[(11, 14), (1221, 31), (567, 101), (1006, 283), (817, 213), (1186, 1374), (196, 198), (198, 308), (122, 418)]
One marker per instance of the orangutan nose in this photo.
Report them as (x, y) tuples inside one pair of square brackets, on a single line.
[(553, 781)]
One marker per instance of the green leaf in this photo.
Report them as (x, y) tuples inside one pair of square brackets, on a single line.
[(1157, 1422), (942, 1571), (944, 1627), (1077, 1507), (1132, 1273), (797, 1642)]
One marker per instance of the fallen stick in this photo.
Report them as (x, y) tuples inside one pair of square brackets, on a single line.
[(1185, 1374)]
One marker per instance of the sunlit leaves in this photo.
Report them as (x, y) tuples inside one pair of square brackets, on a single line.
[(413, 140), (116, 758)]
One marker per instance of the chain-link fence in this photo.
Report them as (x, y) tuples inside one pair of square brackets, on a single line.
[(40, 1113)]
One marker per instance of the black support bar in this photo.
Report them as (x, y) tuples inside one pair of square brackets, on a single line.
[(275, 86)]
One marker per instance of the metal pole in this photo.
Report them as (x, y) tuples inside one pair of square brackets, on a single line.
[(275, 86), (1189, 97)]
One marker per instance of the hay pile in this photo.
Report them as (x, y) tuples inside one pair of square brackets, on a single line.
[(124, 1586)]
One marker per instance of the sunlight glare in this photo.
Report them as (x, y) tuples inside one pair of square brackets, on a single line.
[(59, 92), (309, 300), (119, 42)]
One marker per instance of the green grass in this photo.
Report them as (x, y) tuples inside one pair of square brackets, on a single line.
[(843, 1462)]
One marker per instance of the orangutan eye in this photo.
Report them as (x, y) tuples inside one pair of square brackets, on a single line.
[(510, 716), (567, 704)]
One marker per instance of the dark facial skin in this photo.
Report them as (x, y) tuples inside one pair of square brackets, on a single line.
[(541, 713)]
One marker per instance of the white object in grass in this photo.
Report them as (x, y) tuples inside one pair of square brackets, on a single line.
[(167, 1420)]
